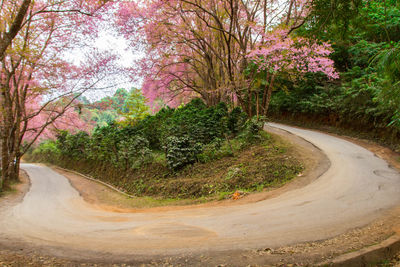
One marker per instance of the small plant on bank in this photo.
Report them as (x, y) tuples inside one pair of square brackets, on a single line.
[(252, 130), (181, 151)]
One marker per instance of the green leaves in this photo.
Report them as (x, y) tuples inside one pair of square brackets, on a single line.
[(181, 151), (181, 134), (134, 151), (135, 108), (74, 146)]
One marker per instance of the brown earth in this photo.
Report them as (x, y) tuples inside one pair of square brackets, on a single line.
[(17, 192)]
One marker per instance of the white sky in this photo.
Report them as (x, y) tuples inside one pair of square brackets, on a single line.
[(111, 41)]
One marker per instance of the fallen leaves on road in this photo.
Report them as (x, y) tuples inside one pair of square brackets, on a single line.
[(238, 195)]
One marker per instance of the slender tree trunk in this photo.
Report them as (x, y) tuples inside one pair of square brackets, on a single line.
[(269, 94), (289, 13), (1, 164), (3, 167), (264, 98), (14, 171), (17, 167), (5, 162), (258, 105), (250, 110)]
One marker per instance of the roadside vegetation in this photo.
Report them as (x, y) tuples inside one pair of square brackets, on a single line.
[(365, 37), (9, 189), (193, 151)]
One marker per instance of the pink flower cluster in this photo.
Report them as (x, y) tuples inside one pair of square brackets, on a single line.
[(279, 52)]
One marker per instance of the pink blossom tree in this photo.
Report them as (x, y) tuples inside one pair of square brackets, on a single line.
[(39, 83), (201, 48), (280, 53)]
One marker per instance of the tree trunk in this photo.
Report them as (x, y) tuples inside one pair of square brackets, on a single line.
[(269, 94), (14, 171), (250, 110), (258, 105), (4, 161)]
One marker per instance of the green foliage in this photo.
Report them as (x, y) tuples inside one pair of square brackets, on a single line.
[(104, 145), (104, 118), (252, 129), (365, 36), (122, 156), (210, 151), (73, 146), (198, 122), (47, 151), (379, 21), (153, 127), (135, 108), (108, 109), (217, 150), (181, 151), (181, 134), (333, 18), (236, 120), (388, 61), (134, 151)]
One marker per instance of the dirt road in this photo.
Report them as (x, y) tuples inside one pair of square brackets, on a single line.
[(357, 189)]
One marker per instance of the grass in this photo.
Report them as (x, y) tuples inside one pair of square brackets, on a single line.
[(151, 202), (9, 189), (384, 263)]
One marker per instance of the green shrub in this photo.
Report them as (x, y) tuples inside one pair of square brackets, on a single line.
[(236, 120), (181, 151), (153, 127), (134, 151), (181, 133), (74, 145), (46, 151), (252, 129), (212, 151)]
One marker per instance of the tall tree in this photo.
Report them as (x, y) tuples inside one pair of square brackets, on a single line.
[(201, 48), (135, 108), (38, 83)]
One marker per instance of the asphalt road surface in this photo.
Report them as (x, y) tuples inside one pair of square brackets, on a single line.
[(357, 188)]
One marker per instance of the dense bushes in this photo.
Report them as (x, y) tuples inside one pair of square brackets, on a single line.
[(366, 42), (181, 135), (354, 106), (180, 153), (355, 102)]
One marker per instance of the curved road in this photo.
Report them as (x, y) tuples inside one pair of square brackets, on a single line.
[(357, 188)]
